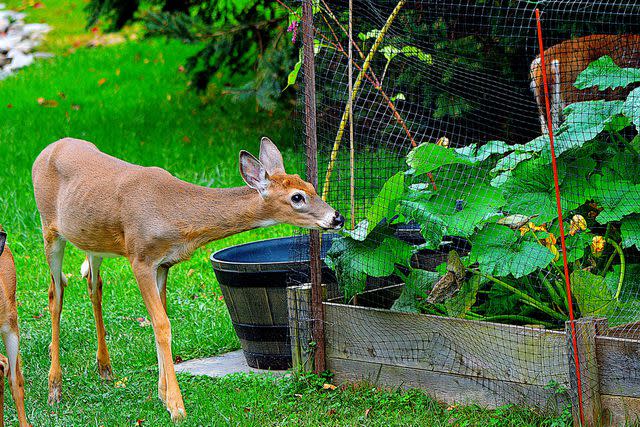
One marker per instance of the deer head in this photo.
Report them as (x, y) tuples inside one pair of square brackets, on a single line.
[(288, 198)]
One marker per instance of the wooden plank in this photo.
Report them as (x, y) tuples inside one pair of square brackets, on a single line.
[(618, 366), (300, 319), (457, 346), (450, 388), (585, 387), (620, 410)]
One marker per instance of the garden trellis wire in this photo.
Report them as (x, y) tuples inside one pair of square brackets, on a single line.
[(457, 271)]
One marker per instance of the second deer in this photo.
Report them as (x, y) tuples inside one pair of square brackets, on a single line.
[(10, 365), (566, 60)]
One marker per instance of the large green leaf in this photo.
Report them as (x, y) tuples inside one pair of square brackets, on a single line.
[(603, 73), (462, 302), (585, 121), (591, 293), (499, 252), (630, 230), (418, 284), (530, 190), (354, 260), (618, 198), (631, 107), (384, 206), (428, 157), (464, 200), (475, 153)]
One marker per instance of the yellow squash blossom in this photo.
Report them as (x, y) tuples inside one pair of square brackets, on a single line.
[(577, 224), (597, 245)]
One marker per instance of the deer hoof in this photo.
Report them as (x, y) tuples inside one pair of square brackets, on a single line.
[(55, 390), (104, 369), (177, 412)]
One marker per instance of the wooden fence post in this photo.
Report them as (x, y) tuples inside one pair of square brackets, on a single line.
[(586, 330), (300, 326)]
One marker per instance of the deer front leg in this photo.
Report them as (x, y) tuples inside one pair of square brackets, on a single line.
[(168, 389), (94, 284), (4, 368), (16, 380)]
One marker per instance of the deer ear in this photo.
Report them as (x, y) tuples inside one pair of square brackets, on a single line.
[(3, 240), (270, 157), (254, 173)]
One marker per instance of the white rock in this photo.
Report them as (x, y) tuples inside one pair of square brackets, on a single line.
[(8, 42), (4, 25), (30, 29), (18, 60), (25, 45), (4, 74), (43, 55)]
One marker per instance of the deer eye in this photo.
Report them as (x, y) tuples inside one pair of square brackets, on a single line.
[(297, 198)]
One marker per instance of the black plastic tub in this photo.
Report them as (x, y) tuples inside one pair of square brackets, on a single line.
[(253, 278)]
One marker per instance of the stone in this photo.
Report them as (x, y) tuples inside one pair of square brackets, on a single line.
[(219, 366), (4, 25), (7, 42), (18, 60)]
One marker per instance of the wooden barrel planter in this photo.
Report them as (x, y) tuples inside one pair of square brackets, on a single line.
[(253, 278)]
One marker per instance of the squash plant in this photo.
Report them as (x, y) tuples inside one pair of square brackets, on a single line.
[(501, 198)]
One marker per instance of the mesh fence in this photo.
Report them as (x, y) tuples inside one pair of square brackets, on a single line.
[(433, 141)]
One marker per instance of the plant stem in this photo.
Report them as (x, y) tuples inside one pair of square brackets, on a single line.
[(518, 318), (551, 290), (356, 88), (622, 266), (527, 299)]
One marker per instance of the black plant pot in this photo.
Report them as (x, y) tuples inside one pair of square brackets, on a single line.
[(253, 278)]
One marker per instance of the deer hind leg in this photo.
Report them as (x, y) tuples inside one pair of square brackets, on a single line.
[(161, 283), (94, 284), (11, 340), (168, 389), (54, 246)]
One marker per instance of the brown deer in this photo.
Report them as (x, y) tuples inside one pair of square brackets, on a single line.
[(108, 207), (566, 60), (10, 333)]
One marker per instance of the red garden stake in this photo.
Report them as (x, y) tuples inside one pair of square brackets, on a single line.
[(560, 220)]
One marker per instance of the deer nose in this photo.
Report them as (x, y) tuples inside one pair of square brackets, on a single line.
[(338, 220)]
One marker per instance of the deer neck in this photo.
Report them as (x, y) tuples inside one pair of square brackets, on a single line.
[(216, 213)]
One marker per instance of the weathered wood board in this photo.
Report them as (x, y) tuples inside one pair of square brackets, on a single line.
[(456, 346), (489, 364)]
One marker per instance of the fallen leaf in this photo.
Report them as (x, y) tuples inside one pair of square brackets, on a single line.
[(51, 103), (62, 95), (122, 383), (117, 71), (75, 107), (38, 5), (366, 412), (190, 272), (327, 386), (247, 409), (177, 359), (95, 30), (186, 139), (139, 421), (331, 412), (9, 106), (181, 69), (143, 322), (102, 81), (220, 298)]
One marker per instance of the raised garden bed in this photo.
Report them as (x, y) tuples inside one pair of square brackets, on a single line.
[(466, 361)]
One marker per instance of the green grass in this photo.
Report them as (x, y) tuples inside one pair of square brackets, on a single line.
[(143, 112)]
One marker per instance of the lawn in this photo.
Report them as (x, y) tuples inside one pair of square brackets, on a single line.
[(133, 102)]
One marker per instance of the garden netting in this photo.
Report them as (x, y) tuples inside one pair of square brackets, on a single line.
[(433, 141)]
